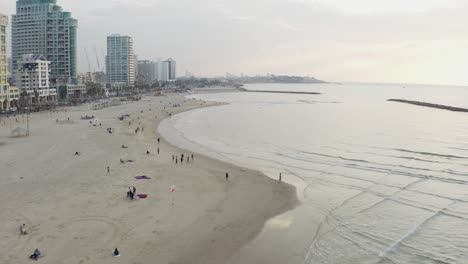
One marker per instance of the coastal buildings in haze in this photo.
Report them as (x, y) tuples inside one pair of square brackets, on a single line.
[(147, 72), (120, 62), (42, 27)]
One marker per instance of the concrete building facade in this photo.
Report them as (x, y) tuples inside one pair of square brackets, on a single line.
[(32, 78), (42, 27), (120, 61), (147, 72)]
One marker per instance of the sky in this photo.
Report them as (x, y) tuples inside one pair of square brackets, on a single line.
[(396, 41)]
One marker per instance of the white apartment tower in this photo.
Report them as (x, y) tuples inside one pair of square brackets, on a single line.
[(120, 61), (4, 88), (32, 78), (168, 70)]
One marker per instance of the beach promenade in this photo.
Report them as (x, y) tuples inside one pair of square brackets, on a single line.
[(77, 213)]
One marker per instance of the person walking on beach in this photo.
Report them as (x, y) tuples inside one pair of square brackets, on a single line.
[(188, 159), (280, 178), (108, 170), (159, 140), (172, 158), (227, 176), (158, 150), (192, 156)]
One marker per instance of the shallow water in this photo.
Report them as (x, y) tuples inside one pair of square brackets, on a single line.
[(380, 182)]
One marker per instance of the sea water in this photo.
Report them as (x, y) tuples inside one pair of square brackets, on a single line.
[(379, 181)]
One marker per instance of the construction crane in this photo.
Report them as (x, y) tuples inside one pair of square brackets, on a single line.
[(97, 58), (87, 58)]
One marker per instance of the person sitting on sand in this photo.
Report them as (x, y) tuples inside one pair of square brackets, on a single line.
[(122, 161), (35, 255), (23, 229), (147, 152), (116, 253)]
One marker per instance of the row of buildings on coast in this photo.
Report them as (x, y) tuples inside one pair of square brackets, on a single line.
[(43, 65)]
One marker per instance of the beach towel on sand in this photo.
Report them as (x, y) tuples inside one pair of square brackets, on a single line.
[(142, 178), (142, 196)]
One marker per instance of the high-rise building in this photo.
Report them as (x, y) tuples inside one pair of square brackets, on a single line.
[(4, 87), (32, 78), (168, 70), (147, 72), (42, 27), (120, 61)]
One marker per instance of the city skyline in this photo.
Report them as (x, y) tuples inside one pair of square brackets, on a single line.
[(332, 40)]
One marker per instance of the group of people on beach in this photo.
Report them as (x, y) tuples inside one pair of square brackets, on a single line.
[(131, 193), (181, 158)]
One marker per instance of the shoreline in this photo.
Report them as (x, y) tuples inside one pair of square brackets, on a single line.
[(74, 210)]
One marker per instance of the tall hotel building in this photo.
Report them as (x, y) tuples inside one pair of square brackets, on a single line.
[(42, 27), (4, 87), (120, 61)]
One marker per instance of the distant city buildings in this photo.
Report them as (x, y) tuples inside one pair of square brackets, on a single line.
[(120, 62), (42, 27), (32, 78)]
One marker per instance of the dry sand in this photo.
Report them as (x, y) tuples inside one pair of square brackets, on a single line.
[(76, 213)]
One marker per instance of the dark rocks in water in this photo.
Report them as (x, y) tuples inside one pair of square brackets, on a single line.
[(437, 106)]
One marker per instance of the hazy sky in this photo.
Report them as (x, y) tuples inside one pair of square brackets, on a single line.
[(416, 41)]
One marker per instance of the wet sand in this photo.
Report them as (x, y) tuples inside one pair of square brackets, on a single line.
[(77, 213)]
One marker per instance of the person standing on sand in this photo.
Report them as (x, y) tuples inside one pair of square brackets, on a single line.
[(188, 159), (227, 176), (158, 150), (192, 156), (108, 170), (159, 140), (172, 158), (280, 178), (134, 190)]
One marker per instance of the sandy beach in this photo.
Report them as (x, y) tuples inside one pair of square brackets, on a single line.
[(77, 213)]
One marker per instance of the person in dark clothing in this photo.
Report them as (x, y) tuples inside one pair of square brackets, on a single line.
[(116, 253), (280, 178), (147, 152), (134, 190), (158, 150), (159, 140), (192, 157), (35, 255), (227, 176)]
